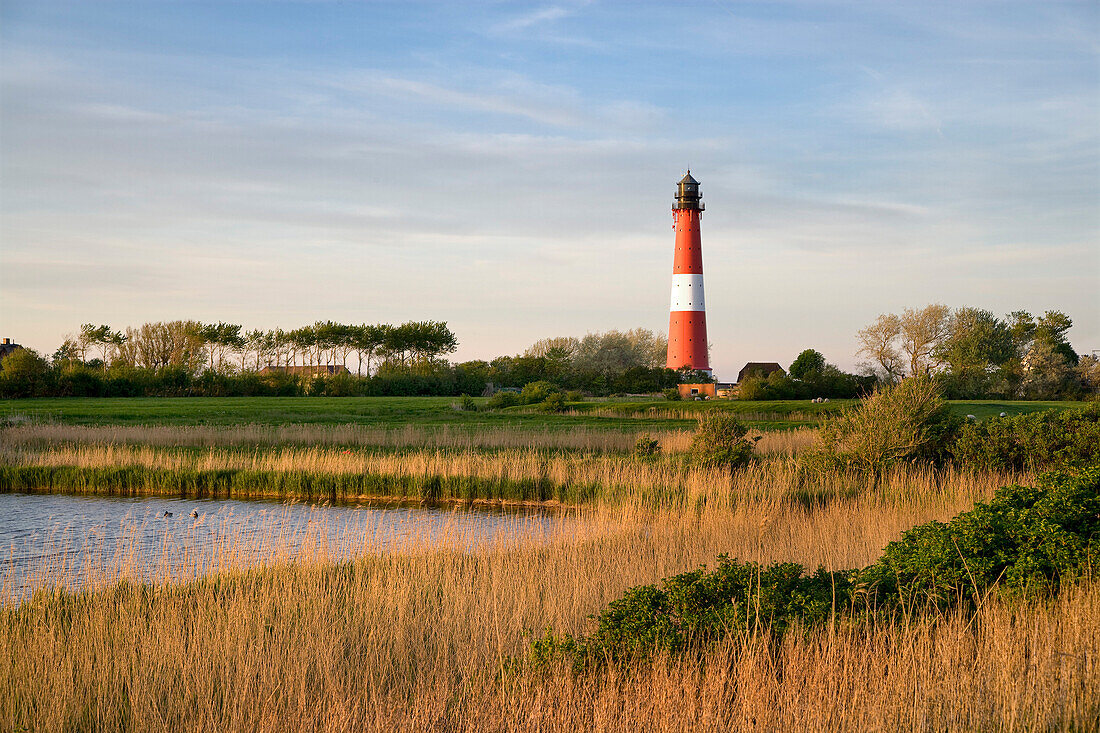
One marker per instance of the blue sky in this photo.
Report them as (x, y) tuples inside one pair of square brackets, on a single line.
[(509, 167)]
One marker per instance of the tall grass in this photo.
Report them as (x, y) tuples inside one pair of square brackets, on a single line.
[(419, 637), (410, 436), (513, 475), (416, 640)]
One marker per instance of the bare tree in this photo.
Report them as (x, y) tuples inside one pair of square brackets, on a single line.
[(557, 346), (922, 331), (877, 344)]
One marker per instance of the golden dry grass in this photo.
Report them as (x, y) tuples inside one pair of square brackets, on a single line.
[(415, 639), (410, 436), (622, 479)]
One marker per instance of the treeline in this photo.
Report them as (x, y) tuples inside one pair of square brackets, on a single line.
[(227, 348), (613, 362), (189, 358), (973, 354)]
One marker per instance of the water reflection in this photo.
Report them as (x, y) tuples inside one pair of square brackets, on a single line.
[(77, 541)]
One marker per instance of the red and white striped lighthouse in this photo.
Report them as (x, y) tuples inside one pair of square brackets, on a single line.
[(687, 319)]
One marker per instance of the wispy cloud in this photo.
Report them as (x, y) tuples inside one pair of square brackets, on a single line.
[(533, 18)]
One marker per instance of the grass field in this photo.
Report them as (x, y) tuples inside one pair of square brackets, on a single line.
[(417, 639), (392, 412), (423, 638)]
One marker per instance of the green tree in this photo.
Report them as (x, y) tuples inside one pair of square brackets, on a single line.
[(23, 374), (978, 345), (807, 363)]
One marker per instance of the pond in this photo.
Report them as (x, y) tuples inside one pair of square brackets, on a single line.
[(81, 541)]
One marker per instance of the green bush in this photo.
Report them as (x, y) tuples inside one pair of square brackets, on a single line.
[(1025, 539), (503, 399), (698, 607), (574, 395), (906, 422), (536, 392), (468, 404), (553, 403), (719, 441), (752, 388), (1030, 441), (673, 394), (646, 446)]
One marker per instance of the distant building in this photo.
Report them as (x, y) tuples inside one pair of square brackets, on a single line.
[(725, 390), (7, 347), (702, 391), (312, 370), (762, 369)]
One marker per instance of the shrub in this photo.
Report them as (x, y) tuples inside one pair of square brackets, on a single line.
[(1025, 539), (646, 446), (752, 388), (672, 394), (553, 403), (719, 441), (536, 392), (698, 607), (905, 422), (1031, 441), (468, 404), (503, 399), (574, 395)]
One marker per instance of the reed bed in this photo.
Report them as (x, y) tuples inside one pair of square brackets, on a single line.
[(418, 640), (337, 634), (687, 413), (517, 475), (410, 436)]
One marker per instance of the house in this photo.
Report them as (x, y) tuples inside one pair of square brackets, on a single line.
[(312, 370), (762, 369), (702, 391), (7, 347)]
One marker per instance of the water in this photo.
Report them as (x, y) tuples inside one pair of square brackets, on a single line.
[(82, 541)]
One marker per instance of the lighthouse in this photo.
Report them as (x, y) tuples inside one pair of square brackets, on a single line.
[(687, 319)]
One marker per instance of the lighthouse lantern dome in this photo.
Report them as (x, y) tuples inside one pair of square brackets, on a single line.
[(687, 193)]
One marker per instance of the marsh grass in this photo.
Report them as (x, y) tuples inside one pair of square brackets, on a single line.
[(515, 475), (410, 436), (423, 636), (418, 640)]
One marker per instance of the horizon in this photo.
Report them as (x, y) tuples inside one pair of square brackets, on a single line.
[(510, 168)]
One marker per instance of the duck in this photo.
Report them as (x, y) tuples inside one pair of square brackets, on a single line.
[(194, 512), (168, 514)]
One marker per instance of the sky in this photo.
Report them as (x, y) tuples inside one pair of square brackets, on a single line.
[(509, 167)]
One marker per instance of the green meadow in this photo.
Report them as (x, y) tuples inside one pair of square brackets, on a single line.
[(394, 412)]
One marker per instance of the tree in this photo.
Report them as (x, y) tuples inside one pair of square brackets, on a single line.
[(1051, 328), (1088, 374), (22, 373), (922, 330), (100, 336), (977, 347), (808, 362), (368, 340), (220, 339), (877, 344), (1047, 372)]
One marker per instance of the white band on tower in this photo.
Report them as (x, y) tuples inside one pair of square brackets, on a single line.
[(687, 293)]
